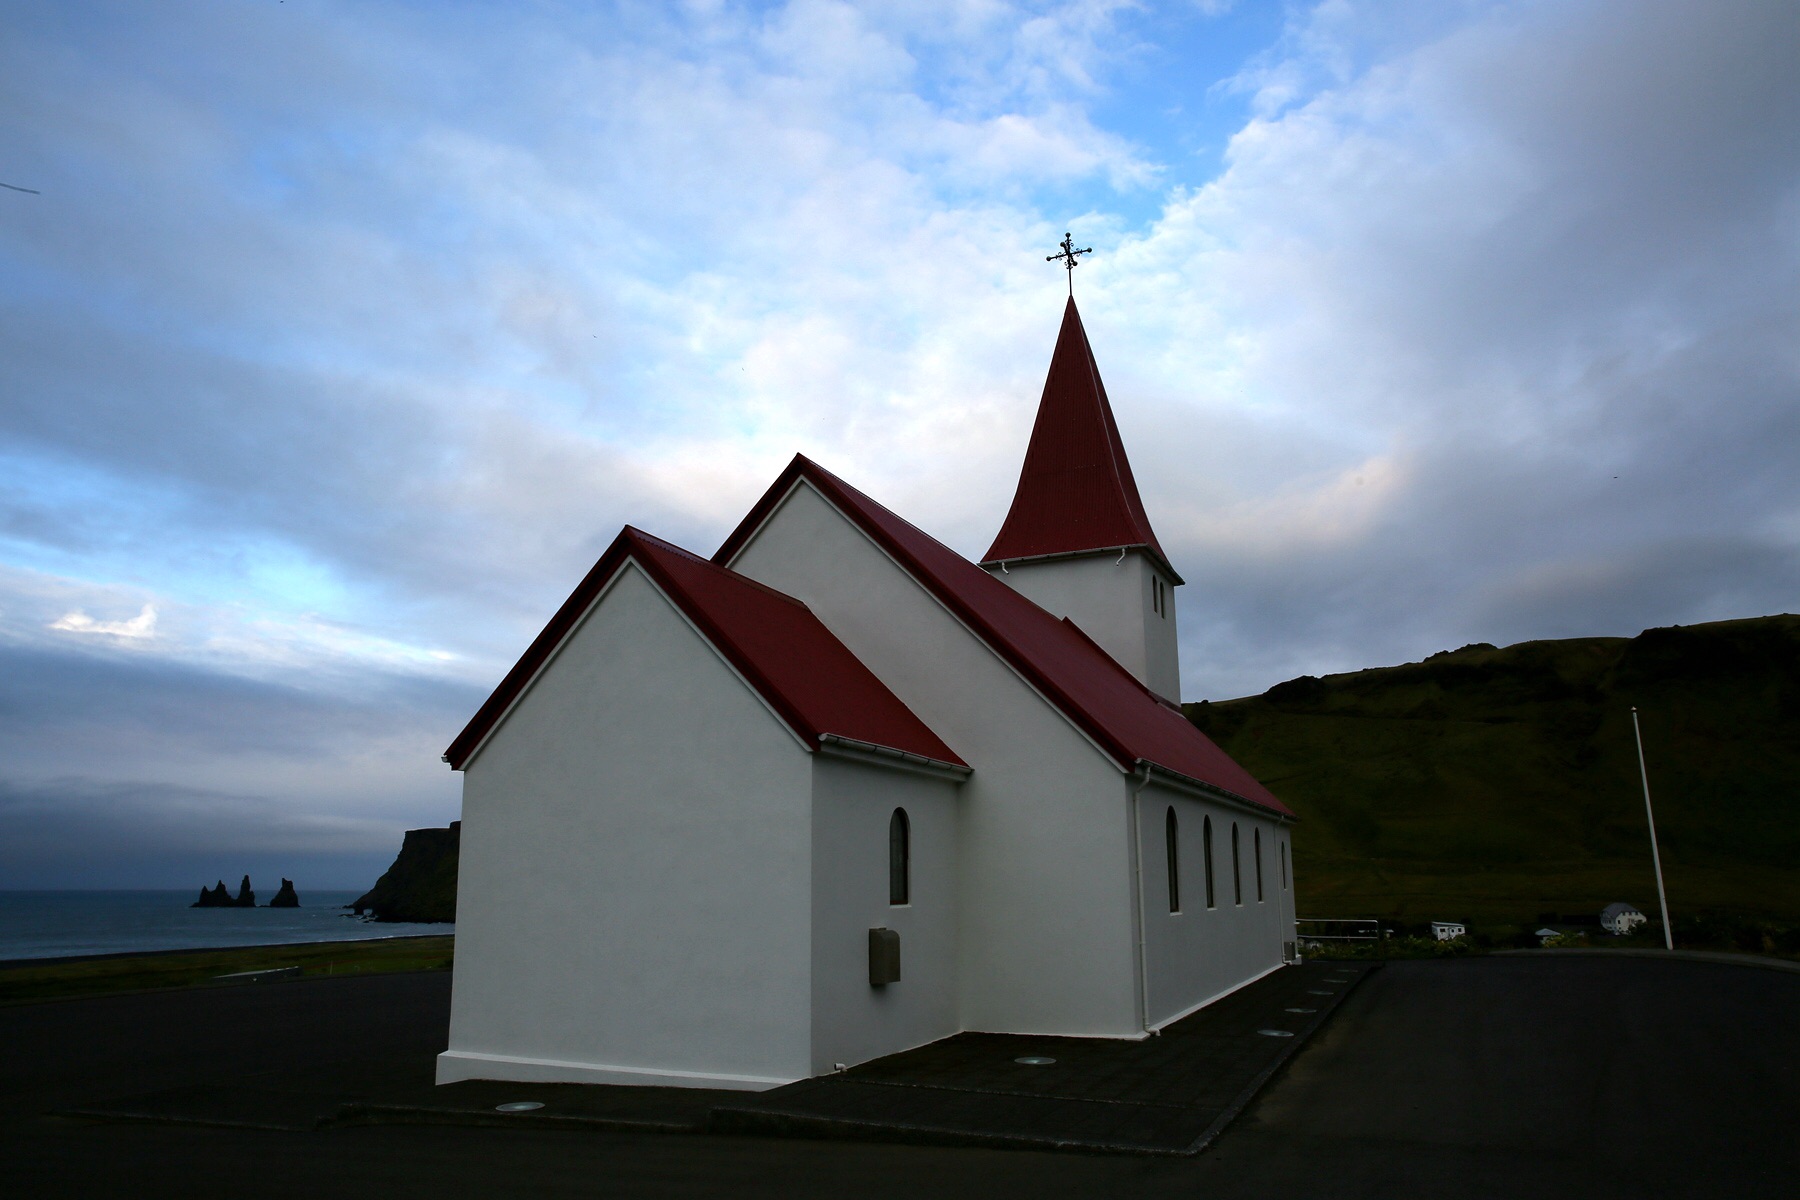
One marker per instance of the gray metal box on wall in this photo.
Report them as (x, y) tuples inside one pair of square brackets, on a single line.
[(884, 957)]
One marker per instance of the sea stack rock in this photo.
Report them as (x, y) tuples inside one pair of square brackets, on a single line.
[(285, 898), (245, 897), (216, 897), (421, 885)]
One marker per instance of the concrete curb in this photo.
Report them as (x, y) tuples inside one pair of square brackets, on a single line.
[(804, 1119), (747, 1123), (107, 1115), (1242, 1100), (418, 1114), (1710, 956)]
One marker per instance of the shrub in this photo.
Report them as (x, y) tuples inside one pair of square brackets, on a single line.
[(1405, 946)]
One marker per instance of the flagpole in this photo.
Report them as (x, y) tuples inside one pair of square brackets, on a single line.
[(1662, 897)]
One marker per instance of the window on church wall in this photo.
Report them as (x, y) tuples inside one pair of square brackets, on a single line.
[(1206, 856), (1256, 853), (1237, 876), (1172, 846), (899, 858)]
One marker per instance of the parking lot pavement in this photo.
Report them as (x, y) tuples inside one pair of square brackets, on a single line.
[(1503, 1077), (1169, 1094), (1536, 1075)]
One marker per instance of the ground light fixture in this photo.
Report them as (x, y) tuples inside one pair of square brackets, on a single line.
[(1034, 1060), (1276, 1032), (512, 1106)]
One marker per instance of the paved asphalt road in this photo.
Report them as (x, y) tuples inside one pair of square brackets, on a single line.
[(1513, 1077)]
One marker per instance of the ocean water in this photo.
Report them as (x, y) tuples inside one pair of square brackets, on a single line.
[(56, 924)]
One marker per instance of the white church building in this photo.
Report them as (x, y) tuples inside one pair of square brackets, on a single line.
[(837, 791)]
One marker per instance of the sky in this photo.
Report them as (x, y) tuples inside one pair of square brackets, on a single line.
[(338, 339)]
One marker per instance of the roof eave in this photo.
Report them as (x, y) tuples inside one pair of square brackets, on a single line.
[(1213, 791), (857, 750), (826, 484), (568, 617), (542, 648), (761, 511), (1150, 552)]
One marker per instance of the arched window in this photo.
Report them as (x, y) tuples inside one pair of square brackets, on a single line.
[(1284, 866), (1171, 834), (899, 858), (1237, 876), (1256, 853), (1206, 852)]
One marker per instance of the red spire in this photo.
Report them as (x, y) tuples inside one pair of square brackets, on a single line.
[(1076, 492)]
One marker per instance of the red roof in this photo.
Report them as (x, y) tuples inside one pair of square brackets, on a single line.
[(813, 680), (1102, 698), (1075, 492)]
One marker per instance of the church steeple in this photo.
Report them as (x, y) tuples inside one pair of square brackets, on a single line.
[(1076, 494), (1077, 540)]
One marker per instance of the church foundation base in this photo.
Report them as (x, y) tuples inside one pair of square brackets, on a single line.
[(454, 1066), (1191, 1009)]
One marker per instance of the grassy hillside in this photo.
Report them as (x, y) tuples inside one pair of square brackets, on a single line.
[(60, 979), (1495, 785)]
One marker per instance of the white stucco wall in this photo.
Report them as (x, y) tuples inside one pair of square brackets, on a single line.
[(1046, 939), (852, 805), (634, 896), (1112, 599), (1200, 953)]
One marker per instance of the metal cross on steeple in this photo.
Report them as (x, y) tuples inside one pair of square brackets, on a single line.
[(1068, 255)]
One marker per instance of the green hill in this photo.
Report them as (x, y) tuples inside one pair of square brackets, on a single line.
[(1497, 785)]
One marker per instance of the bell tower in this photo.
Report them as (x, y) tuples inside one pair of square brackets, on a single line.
[(1076, 540)]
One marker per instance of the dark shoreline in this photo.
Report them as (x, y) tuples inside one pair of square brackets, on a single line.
[(9, 964)]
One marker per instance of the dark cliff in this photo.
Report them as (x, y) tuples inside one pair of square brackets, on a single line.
[(421, 885)]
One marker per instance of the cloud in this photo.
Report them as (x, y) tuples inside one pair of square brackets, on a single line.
[(342, 340), (111, 755), (1677, 581), (1545, 261), (74, 832), (141, 626)]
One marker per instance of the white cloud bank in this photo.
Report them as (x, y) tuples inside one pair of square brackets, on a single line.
[(1484, 328), (141, 626), (348, 336)]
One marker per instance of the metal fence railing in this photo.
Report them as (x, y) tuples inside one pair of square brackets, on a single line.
[(1316, 931)]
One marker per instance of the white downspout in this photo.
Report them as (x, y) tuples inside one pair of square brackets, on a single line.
[(1137, 902)]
